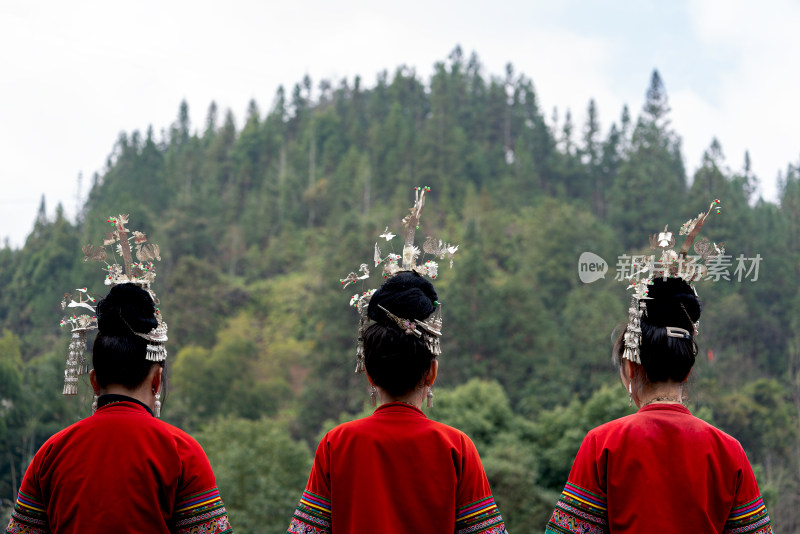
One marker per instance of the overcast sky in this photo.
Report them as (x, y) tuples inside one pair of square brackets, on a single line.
[(74, 74)]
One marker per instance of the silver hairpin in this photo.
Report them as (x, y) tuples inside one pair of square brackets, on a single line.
[(674, 331), (406, 325)]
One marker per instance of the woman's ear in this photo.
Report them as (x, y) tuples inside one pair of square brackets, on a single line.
[(156, 379), (687, 376), (433, 371), (93, 381), (630, 368)]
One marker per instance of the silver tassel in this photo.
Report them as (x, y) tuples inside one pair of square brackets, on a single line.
[(430, 397), (156, 352), (157, 409), (83, 368), (433, 345), (633, 332), (70, 382), (360, 359), (362, 326), (77, 346)]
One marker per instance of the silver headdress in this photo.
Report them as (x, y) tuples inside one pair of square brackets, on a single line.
[(430, 330), (139, 272), (671, 265)]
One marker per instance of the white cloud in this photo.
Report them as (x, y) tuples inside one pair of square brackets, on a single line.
[(688, 110), (758, 105)]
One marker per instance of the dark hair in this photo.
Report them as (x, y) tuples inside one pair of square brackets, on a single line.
[(673, 303), (119, 355), (396, 361)]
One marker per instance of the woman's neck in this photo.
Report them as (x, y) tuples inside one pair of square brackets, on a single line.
[(414, 397), (661, 393), (142, 394)]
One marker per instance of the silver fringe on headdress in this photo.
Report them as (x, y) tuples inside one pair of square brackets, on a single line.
[(430, 329), (671, 265), (139, 272)]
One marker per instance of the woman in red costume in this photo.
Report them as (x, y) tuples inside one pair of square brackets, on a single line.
[(660, 469), (397, 471), (121, 470)]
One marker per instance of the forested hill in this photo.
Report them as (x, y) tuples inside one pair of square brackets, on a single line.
[(256, 227)]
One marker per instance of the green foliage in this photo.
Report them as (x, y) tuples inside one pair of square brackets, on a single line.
[(32, 409), (257, 361), (480, 409), (11, 398), (653, 172), (45, 269), (235, 377), (504, 440), (762, 417), (260, 471), (197, 310), (560, 431)]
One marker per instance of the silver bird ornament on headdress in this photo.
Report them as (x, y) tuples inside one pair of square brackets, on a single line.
[(141, 273), (671, 265), (430, 330)]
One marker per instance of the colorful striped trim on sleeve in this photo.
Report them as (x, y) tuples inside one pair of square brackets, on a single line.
[(579, 510), (202, 512), (480, 517), (313, 515), (750, 518), (28, 516)]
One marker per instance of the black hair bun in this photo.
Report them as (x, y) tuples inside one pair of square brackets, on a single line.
[(126, 307), (407, 295), (670, 301)]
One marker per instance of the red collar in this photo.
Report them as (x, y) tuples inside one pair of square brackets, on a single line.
[(398, 407), (665, 407), (122, 401)]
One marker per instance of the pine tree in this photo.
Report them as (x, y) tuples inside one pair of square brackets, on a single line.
[(590, 156), (211, 123), (749, 181), (653, 172), (625, 130), (656, 106), (181, 129), (41, 217)]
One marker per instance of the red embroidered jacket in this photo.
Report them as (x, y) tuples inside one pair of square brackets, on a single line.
[(397, 472), (660, 470), (123, 471)]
